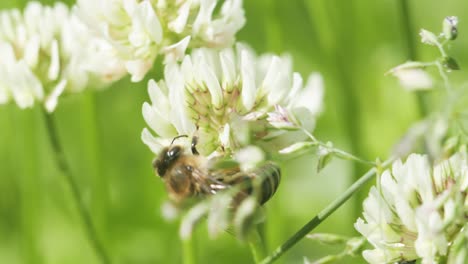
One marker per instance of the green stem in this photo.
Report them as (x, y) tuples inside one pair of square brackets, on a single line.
[(340, 152), (257, 246), (188, 251), (444, 77), (322, 215), (59, 156), (97, 177), (30, 189)]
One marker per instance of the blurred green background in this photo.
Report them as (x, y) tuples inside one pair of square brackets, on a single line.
[(352, 43)]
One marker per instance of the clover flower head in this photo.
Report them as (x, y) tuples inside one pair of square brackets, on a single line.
[(417, 211), (141, 30), (231, 99), (47, 51)]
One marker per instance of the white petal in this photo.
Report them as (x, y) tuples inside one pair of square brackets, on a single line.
[(428, 37), (179, 116), (52, 100), (378, 256), (157, 122), (150, 141), (152, 24), (26, 86), (54, 68), (176, 51), (169, 211), (414, 79), (187, 69), (194, 215), (138, 69), (311, 97), (204, 14), (218, 217), (31, 52), (228, 68), (249, 89), (212, 83), (274, 81), (178, 25), (296, 88), (225, 135), (296, 147)]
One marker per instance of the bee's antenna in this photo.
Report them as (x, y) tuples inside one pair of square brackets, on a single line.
[(179, 136)]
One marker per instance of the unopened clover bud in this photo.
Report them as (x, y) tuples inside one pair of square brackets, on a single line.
[(412, 76), (355, 245), (450, 27), (330, 239), (325, 154), (296, 147), (428, 37), (407, 65), (450, 63)]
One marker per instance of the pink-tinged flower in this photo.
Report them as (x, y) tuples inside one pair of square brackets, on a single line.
[(231, 99)]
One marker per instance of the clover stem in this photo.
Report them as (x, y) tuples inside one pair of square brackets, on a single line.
[(257, 245), (59, 156), (188, 251), (322, 215)]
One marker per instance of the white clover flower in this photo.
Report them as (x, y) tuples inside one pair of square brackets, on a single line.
[(230, 99), (46, 51), (141, 30), (416, 211)]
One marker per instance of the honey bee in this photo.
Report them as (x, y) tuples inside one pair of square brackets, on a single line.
[(190, 175)]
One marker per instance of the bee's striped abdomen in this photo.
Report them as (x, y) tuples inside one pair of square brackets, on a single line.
[(261, 182), (268, 177)]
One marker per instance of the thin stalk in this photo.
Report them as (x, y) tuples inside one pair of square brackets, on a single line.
[(59, 156), (188, 251), (322, 215), (444, 77), (340, 152), (30, 202), (97, 178), (257, 246)]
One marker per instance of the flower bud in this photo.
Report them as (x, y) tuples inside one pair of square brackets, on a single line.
[(450, 27), (428, 37), (450, 63)]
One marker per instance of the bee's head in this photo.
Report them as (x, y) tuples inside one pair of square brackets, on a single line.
[(166, 158)]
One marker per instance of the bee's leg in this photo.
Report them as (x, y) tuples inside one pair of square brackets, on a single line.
[(194, 145)]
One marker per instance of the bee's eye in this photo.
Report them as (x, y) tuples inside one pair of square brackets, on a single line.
[(174, 152), (161, 171)]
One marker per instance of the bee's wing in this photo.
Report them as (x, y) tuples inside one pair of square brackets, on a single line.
[(223, 169), (207, 182)]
